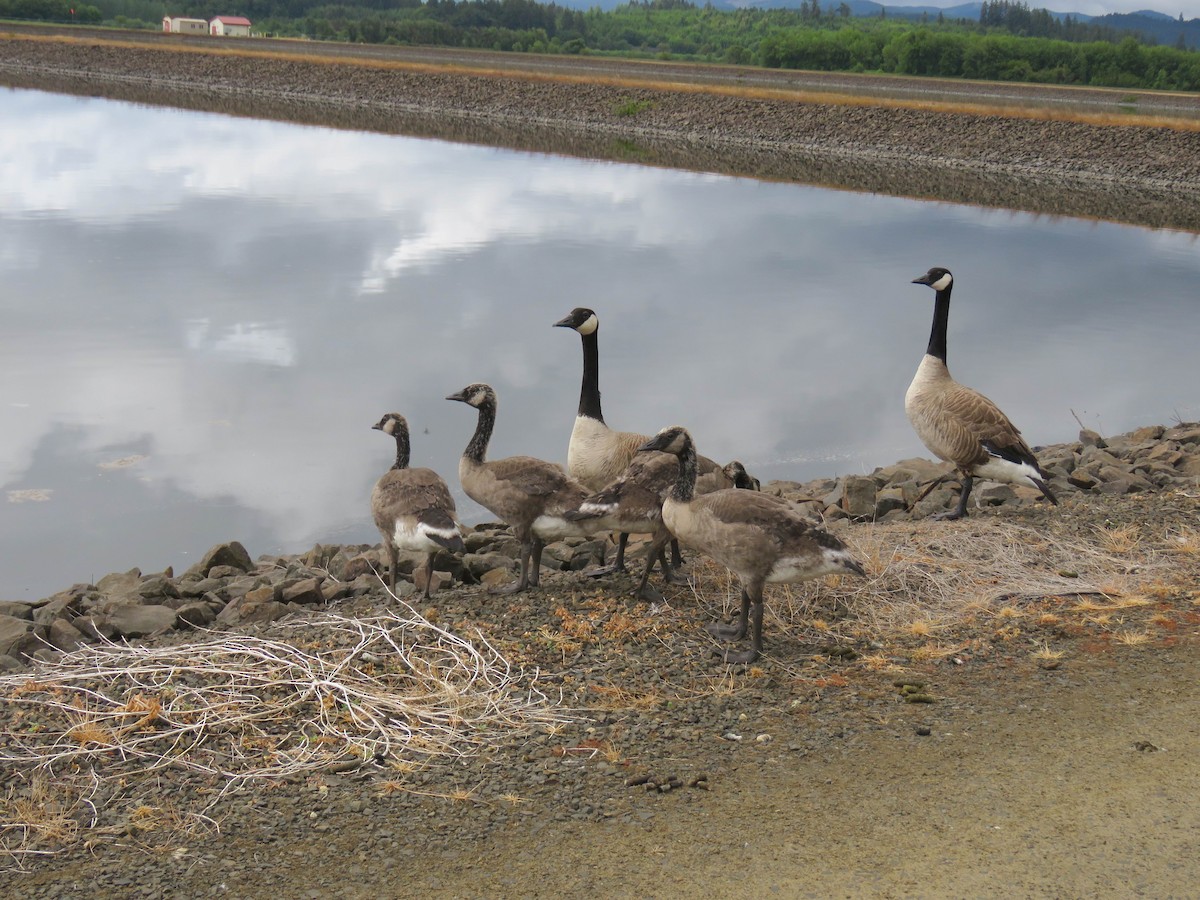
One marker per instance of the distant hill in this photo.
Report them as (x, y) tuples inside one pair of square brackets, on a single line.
[(1152, 26)]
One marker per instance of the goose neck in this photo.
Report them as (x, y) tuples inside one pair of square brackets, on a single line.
[(403, 449), (685, 483), (941, 318), (477, 448), (589, 392)]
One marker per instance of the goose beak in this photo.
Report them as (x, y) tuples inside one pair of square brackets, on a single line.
[(566, 322), (924, 279), (654, 443), (460, 396), (377, 427)]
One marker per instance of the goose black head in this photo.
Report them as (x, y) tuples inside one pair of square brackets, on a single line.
[(391, 423), (937, 278), (475, 395), (581, 319)]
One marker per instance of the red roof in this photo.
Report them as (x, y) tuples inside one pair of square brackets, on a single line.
[(231, 20)]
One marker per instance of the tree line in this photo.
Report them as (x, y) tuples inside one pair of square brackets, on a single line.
[(1010, 42)]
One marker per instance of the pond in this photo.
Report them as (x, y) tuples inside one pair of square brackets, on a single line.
[(204, 315)]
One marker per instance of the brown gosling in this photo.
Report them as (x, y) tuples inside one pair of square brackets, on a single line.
[(533, 496), (413, 509), (760, 537)]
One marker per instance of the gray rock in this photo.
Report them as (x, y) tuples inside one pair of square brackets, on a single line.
[(858, 497), (57, 606), (994, 495), (197, 614), (120, 582), (1089, 438), (1114, 480), (65, 636), (889, 499), (16, 610), (305, 591), (229, 554), (157, 587), (10, 664), (95, 627), (20, 637), (479, 563), (141, 621), (246, 611)]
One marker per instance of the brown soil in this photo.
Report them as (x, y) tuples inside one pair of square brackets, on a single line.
[(966, 142), (1003, 742)]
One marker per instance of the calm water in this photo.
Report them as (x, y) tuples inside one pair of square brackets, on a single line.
[(203, 316)]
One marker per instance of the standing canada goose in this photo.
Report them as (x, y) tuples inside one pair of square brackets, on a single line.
[(596, 455), (413, 508), (759, 536), (960, 425), (533, 496)]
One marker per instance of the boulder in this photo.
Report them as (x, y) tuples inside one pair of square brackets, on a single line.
[(62, 604), (228, 554), (245, 611), (19, 637), (858, 497), (16, 610), (65, 636), (305, 591), (133, 621), (197, 614)]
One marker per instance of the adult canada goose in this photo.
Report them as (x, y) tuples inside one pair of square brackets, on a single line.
[(533, 496), (960, 425), (596, 455), (413, 508), (759, 536)]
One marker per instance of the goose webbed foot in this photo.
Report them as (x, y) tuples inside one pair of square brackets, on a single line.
[(649, 594), (513, 587), (949, 515), (724, 632), (737, 657), (614, 569)]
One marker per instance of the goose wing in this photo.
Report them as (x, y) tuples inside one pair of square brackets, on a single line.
[(977, 428)]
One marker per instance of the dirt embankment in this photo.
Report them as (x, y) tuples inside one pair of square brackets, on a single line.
[(1141, 174)]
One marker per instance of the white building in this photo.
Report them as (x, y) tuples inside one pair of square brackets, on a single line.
[(182, 25), (229, 26)]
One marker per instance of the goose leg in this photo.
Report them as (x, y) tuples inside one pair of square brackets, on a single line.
[(618, 564), (428, 574), (672, 575), (961, 510), (523, 581), (756, 615), (732, 632), (654, 554), (394, 557), (676, 556), (535, 563)]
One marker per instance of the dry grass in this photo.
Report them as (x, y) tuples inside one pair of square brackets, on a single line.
[(830, 98), (930, 589), (233, 709)]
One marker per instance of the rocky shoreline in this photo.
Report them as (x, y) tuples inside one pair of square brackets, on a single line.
[(1131, 173), (609, 719), (226, 589)]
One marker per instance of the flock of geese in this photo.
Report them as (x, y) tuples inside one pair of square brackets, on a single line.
[(618, 481)]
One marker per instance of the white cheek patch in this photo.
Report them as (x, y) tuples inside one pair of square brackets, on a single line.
[(942, 283), (588, 325)]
